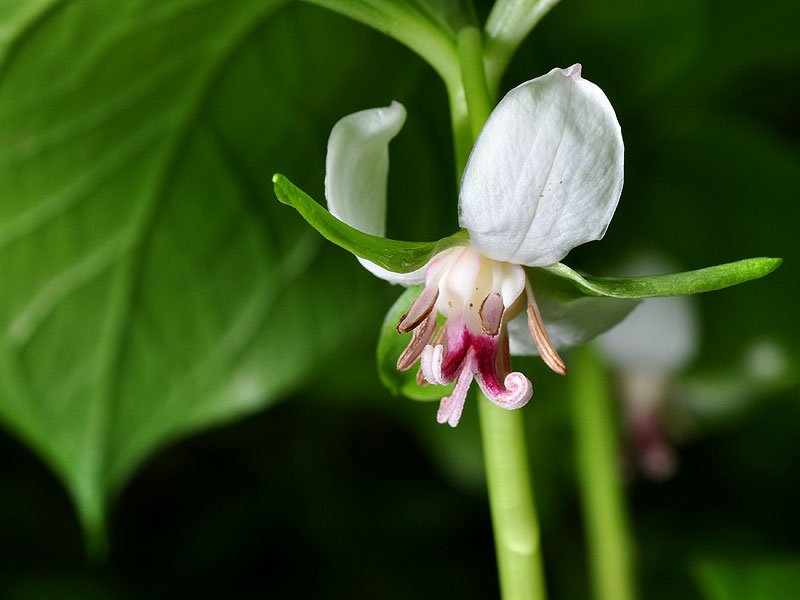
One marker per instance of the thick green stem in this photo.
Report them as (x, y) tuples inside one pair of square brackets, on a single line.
[(516, 528), (459, 119), (470, 103), (600, 480), (473, 78)]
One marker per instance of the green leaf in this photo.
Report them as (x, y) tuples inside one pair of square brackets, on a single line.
[(149, 289), (394, 255), (562, 280), (391, 344), (426, 26)]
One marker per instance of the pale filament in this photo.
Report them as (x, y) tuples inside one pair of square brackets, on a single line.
[(540, 337)]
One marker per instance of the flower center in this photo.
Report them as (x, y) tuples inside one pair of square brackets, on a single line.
[(475, 290), (478, 296)]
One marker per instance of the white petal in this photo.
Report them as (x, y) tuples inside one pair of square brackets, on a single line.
[(413, 278), (546, 172), (458, 281), (568, 323), (357, 166), (356, 170)]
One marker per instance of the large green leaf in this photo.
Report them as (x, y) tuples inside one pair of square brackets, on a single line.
[(150, 287)]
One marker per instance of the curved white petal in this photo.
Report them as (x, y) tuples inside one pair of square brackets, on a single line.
[(546, 172), (356, 169), (568, 323), (357, 165), (413, 278)]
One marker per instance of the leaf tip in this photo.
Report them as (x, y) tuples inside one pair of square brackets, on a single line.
[(767, 265), (774, 263), (278, 182)]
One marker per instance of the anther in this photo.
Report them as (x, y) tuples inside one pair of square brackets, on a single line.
[(541, 339), (419, 339), (419, 309), (491, 313)]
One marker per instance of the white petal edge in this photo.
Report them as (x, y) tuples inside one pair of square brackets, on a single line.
[(546, 172), (357, 166), (413, 278)]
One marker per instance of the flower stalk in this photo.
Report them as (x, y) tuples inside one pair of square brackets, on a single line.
[(599, 478), (473, 78), (514, 520)]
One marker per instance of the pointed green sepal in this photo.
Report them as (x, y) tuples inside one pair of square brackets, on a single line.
[(394, 255), (391, 345), (566, 283)]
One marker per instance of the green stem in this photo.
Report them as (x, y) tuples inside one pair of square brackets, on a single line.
[(470, 103), (459, 120), (516, 528), (600, 479), (473, 78)]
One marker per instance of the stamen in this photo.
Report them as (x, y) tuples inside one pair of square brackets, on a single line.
[(491, 314), (540, 337), (419, 309), (420, 338)]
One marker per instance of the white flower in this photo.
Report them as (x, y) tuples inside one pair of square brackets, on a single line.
[(545, 175)]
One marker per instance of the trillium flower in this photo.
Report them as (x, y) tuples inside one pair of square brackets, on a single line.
[(545, 175)]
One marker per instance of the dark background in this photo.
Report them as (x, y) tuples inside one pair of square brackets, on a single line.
[(341, 490)]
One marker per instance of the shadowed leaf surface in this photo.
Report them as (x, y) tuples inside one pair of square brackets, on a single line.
[(149, 289)]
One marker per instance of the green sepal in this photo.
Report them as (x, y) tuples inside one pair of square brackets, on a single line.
[(391, 345), (394, 255), (563, 282)]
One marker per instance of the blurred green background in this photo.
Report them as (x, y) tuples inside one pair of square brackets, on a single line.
[(177, 343)]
